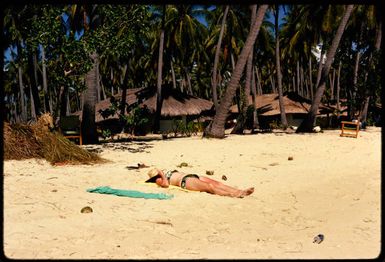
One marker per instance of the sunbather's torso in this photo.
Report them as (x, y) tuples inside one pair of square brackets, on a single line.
[(176, 178)]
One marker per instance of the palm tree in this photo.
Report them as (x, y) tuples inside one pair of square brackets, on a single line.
[(90, 135), (216, 129), (13, 19), (308, 122), (371, 13), (278, 69), (159, 75), (242, 118), (216, 58)]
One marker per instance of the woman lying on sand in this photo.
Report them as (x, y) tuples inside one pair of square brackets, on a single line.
[(195, 182)]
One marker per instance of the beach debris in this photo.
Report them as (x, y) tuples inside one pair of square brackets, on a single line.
[(137, 165), (290, 158), (86, 209), (93, 148), (210, 172), (317, 129), (318, 238), (274, 164), (132, 147), (224, 177), (183, 164)]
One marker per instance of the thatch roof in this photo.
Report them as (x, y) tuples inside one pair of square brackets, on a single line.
[(175, 103), (268, 104)]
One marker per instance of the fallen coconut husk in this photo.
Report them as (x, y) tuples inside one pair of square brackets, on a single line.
[(23, 141)]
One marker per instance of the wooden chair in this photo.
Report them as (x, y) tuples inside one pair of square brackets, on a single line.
[(70, 127), (350, 129)]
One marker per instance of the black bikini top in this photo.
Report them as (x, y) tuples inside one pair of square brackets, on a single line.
[(169, 174)]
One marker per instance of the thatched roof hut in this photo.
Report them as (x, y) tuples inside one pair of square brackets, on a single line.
[(175, 103), (268, 104)]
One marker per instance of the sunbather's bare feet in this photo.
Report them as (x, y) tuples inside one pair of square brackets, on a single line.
[(243, 193), (247, 192)]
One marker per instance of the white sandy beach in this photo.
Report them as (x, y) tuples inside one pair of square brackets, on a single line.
[(331, 187)]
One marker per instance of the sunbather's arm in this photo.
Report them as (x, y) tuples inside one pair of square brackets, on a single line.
[(162, 180)]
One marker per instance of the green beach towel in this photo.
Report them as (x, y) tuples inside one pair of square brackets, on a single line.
[(128, 193)]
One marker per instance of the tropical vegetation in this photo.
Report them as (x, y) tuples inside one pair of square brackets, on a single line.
[(65, 58)]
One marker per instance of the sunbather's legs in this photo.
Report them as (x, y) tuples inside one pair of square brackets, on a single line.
[(225, 187), (199, 185)]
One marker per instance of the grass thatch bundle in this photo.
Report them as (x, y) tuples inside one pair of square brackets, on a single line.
[(37, 141), (20, 142)]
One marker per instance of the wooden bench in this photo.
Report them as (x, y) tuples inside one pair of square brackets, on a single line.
[(70, 127), (350, 129)]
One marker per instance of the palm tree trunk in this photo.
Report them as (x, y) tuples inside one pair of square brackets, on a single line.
[(216, 128), (338, 90), (279, 73), (89, 132), (333, 77), (23, 116), (260, 92), (33, 112), (353, 109), (242, 117), (47, 96), (112, 81), (63, 101), (308, 122), (34, 86), (272, 84), (320, 65), (310, 77), (298, 78), (98, 88), (190, 92), (232, 60), (307, 88), (216, 58), (254, 98), (377, 47), (173, 74), (159, 76), (301, 80)]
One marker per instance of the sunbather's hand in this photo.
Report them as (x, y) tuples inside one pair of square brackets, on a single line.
[(162, 180)]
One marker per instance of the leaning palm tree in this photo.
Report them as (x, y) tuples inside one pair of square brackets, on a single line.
[(308, 122), (216, 128), (242, 118)]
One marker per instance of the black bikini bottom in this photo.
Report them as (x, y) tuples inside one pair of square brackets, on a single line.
[(183, 184)]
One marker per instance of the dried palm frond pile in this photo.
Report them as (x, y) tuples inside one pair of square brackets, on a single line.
[(37, 141), (20, 142)]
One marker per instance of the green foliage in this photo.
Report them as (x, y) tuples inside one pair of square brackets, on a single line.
[(106, 133), (136, 120), (187, 129), (122, 26)]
